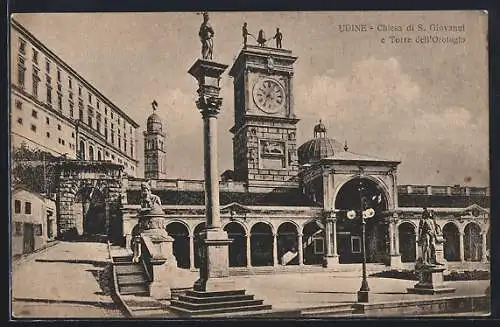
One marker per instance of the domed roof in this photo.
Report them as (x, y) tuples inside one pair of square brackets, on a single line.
[(154, 123), (319, 147)]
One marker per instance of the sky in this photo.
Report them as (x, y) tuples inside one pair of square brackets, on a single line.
[(423, 104)]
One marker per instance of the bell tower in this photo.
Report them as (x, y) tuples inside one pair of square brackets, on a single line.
[(154, 147), (264, 141)]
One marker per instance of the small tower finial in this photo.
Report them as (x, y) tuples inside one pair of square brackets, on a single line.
[(154, 104), (345, 146)]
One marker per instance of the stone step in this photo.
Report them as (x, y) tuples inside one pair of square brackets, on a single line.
[(132, 279), (135, 289), (126, 258), (226, 311), (338, 309), (214, 305), (129, 269), (224, 298), (215, 293), (156, 312)]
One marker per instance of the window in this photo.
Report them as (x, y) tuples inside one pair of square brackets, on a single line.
[(356, 244), (58, 75), (106, 110), (71, 109), (319, 246), (47, 120), (82, 150), (19, 104), (111, 115), (33, 127), (119, 142), (112, 137), (18, 228), (70, 83), (89, 121), (17, 206), (35, 56), (125, 145), (80, 114), (73, 134), (22, 46), (106, 134), (36, 80), (21, 69), (47, 66), (38, 229), (63, 142), (59, 127), (97, 104), (79, 90), (48, 134), (91, 153), (131, 149), (34, 114), (59, 101), (90, 98), (99, 157), (20, 121), (27, 208), (49, 94), (70, 95)]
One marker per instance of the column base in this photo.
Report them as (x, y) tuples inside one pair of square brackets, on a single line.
[(214, 270), (363, 296), (395, 261), (332, 261)]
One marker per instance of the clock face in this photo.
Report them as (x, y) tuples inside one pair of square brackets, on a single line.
[(269, 96)]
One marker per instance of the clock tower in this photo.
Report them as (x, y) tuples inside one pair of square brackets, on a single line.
[(264, 142)]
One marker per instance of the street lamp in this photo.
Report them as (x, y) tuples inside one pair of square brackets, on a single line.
[(364, 213)]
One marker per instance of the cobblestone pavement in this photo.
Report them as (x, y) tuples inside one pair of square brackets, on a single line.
[(67, 280)]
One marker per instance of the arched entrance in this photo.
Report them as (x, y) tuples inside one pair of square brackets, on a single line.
[(313, 243), (238, 247), (261, 245), (197, 243), (90, 205), (472, 242), (407, 242), (180, 233), (288, 248), (451, 242), (350, 196)]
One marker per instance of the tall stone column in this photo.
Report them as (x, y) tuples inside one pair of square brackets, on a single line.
[(191, 252), (275, 250), (214, 270), (249, 252), (331, 257), (461, 246), (394, 256), (484, 245), (301, 249)]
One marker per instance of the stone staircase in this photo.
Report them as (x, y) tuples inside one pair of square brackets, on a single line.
[(214, 304), (131, 277)]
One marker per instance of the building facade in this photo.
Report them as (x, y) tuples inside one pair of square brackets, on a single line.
[(33, 221), (288, 205), (55, 109)]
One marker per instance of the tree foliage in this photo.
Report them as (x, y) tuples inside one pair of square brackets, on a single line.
[(34, 169)]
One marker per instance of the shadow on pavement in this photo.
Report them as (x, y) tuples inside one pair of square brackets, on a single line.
[(108, 305), (326, 292), (104, 278), (78, 261)]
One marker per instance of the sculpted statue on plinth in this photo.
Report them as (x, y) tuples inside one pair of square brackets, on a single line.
[(206, 34), (429, 234)]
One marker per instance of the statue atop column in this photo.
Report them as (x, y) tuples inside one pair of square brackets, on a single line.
[(429, 234), (206, 35), (261, 39), (278, 37)]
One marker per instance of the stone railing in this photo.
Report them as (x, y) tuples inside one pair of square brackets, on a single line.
[(443, 190), (150, 257)]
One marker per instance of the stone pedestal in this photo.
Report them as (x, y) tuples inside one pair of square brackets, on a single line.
[(439, 251), (331, 261), (395, 261), (214, 273), (431, 282)]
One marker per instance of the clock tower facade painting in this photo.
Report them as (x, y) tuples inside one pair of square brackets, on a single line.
[(264, 141)]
